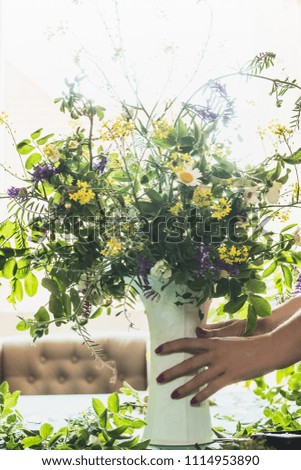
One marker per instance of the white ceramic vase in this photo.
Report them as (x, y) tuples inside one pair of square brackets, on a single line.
[(172, 422)]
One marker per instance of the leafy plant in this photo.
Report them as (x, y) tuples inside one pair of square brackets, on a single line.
[(120, 202), (110, 427)]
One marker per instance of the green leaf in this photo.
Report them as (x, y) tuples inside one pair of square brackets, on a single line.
[(100, 112), (235, 305), (288, 227), (133, 423), (42, 315), (153, 195), (142, 445), (22, 326), (235, 288), (8, 229), (97, 313), (256, 286), (18, 290), (44, 139), (55, 306), (50, 285), (9, 268), (75, 298), (31, 441), (23, 268), (35, 135), (103, 418), (24, 147), (294, 159), (98, 406), (270, 269), (4, 388), (31, 284), (32, 160), (46, 430), (287, 274), (222, 288), (251, 320), (117, 432), (67, 303), (113, 402), (261, 305)]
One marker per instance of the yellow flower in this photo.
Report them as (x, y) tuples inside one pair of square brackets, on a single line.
[(221, 209), (188, 175), (127, 200), (83, 195), (174, 210), (118, 129), (114, 162), (296, 190), (52, 153), (232, 254), (280, 130), (161, 129), (3, 117), (202, 196), (113, 248)]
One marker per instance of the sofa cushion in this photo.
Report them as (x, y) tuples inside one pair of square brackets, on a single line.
[(63, 364)]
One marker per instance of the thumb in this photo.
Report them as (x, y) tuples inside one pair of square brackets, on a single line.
[(204, 333)]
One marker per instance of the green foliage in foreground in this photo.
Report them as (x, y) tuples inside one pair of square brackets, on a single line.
[(111, 427)]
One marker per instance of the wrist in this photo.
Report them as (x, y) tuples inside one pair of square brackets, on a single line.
[(286, 339)]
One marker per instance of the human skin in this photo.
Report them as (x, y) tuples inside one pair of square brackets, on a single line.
[(226, 356)]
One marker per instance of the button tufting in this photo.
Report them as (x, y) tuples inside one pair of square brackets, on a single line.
[(90, 378), (62, 379), (31, 379), (74, 358), (43, 358)]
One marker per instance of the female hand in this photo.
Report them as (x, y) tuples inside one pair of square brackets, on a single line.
[(224, 361), (280, 314)]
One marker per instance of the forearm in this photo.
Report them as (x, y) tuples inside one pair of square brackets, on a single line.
[(281, 314), (286, 341)]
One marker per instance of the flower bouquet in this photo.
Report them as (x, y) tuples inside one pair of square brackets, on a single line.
[(142, 205)]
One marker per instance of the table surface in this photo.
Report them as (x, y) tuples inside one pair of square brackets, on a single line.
[(233, 404)]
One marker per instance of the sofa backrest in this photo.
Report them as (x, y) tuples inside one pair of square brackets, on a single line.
[(63, 364)]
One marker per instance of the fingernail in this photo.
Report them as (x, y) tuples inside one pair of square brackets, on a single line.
[(200, 331), (160, 379), (175, 394), (193, 401), (159, 349)]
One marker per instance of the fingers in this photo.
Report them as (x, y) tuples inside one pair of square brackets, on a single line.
[(188, 345), (218, 325), (231, 328), (211, 388), (184, 368), (203, 378)]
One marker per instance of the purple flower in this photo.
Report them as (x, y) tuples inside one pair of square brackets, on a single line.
[(205, 112), (17, 193), (203, 257), (101, 164), (297, 290), (43, 172)]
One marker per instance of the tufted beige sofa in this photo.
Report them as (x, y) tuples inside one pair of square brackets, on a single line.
[(63, 364)]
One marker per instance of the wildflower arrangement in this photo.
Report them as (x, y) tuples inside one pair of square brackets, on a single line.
[(122, 201)]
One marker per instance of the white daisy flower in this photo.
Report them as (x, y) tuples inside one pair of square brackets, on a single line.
[(251, 195), (189, 176)]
